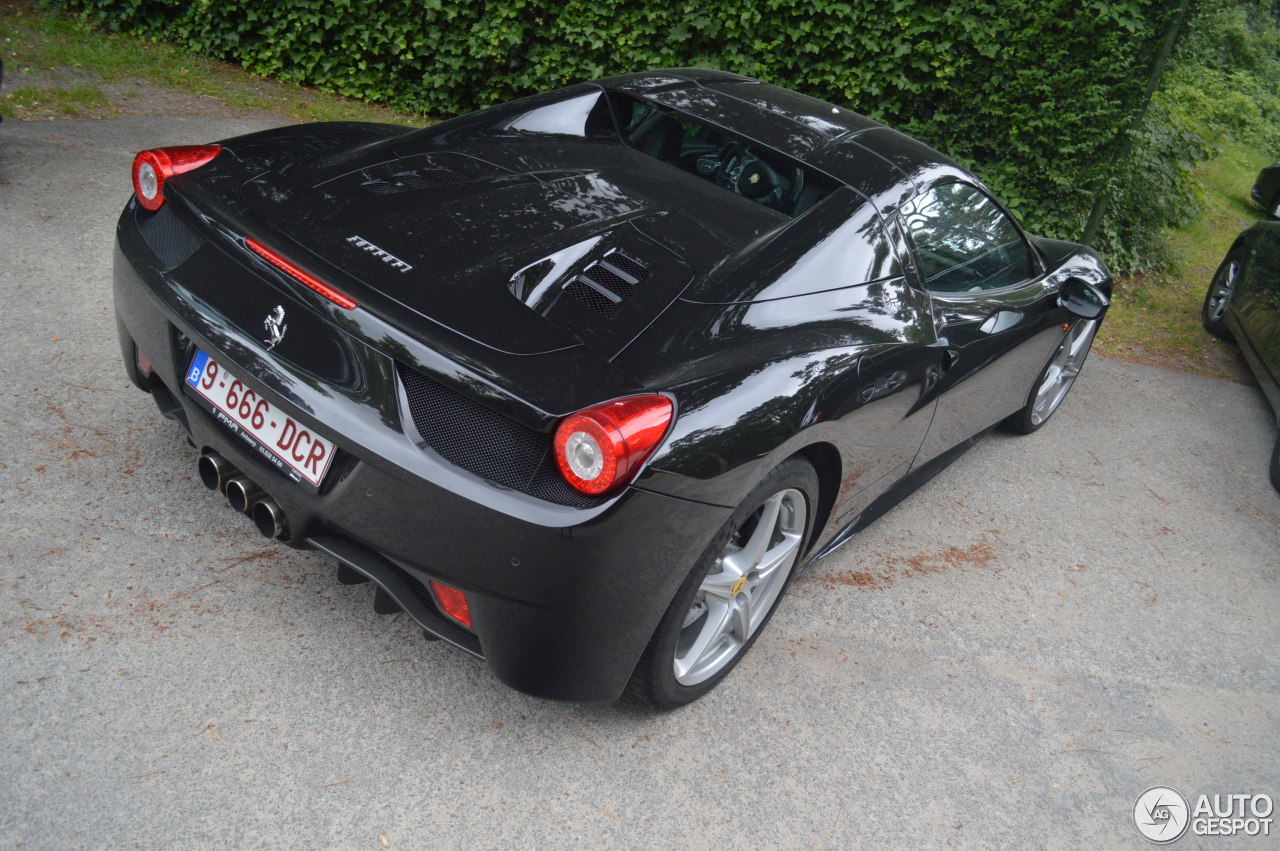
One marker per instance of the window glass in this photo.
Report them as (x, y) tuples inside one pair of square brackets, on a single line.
[(964, 242), (737, 165)]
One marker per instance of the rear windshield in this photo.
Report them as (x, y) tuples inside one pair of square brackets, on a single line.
[(731, 162)]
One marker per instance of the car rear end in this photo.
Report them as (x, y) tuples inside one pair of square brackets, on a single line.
[(1266, 190), (415, 456)]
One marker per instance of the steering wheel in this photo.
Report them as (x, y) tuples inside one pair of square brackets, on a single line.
[(746, 174)]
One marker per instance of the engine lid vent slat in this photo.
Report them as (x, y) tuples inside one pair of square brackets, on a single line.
[(595, 297), (609, 282)]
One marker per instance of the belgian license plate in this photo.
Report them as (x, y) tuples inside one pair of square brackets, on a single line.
[(292, 448)]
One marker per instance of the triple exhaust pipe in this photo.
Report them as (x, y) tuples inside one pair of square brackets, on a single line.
[(217, 474)]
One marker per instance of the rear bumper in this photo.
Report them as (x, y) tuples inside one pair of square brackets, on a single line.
[(563, 599)]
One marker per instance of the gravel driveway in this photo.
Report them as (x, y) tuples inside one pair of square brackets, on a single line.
[(1051, 626)]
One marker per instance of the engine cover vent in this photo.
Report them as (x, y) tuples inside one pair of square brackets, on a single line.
[(607, 283), (414, 179), (596, 298)]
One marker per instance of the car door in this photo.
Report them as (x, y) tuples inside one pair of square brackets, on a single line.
[(994, 307), (1257, 307)]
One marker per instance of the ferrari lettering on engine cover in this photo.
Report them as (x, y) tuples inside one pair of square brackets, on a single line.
[(390, 259)]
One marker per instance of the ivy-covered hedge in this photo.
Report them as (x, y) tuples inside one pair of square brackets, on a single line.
[(1033, 94)]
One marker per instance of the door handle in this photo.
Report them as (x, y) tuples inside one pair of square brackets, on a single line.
[(950, 357), (1001, 320)]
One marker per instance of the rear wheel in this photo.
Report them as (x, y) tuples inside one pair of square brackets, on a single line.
[(1056, 379), (1218, 298), (731, 593)]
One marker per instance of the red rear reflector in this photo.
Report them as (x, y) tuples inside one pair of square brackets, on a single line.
[(453, 601), (305, 278), (143, 362)]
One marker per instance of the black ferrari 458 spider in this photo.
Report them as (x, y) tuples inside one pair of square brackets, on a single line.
[(580, 380), (1243, 304)]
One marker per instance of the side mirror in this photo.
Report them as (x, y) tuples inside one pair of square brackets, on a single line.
[(1083, 299)]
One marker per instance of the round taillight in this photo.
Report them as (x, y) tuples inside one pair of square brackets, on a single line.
[(587, 452), (153, 167), (148, 183), (602, 447)]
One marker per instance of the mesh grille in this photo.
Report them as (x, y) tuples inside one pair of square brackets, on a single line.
[(407, 181), (628, 266), (616, 274), (169, 238), (380, 187), (428, 177), (592, 298), (482, 441), (611, 281)]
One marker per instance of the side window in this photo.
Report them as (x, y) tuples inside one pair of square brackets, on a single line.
[(964, 242)]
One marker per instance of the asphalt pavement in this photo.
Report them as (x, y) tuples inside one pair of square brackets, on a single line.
[(1009, 658)]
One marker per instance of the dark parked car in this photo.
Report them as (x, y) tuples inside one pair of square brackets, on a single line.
[(1243, 304), (580, 380), (1266, 190)]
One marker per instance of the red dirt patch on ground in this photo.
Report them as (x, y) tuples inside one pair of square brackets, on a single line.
[(895, 568)]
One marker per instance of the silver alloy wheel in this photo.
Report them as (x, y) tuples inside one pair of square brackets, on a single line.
[(1224, 284), (741, 588), (1063, 369)]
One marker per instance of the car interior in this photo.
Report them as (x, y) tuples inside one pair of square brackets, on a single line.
[(730, 162)]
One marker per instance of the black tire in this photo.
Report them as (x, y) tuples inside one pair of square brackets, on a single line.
[(1218, 297), (654, 682), (1056, 378), (1275, 465)]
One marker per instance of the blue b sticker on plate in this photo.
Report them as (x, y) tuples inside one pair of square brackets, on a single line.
[(197, 368)]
